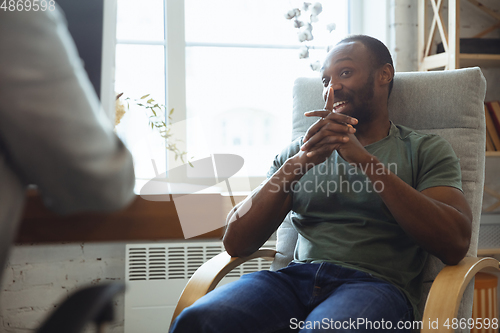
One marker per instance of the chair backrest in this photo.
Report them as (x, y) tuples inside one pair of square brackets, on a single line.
[(447, 103)]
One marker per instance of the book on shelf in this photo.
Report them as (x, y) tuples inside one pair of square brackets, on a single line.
[(494, 108), (492, 115), (489, 142)]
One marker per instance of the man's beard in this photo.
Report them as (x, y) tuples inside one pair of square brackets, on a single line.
[(362, 110)]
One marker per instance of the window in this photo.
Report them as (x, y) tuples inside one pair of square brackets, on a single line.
[(226, 67)]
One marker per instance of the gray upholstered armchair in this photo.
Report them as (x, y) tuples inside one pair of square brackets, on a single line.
[(448, 103)]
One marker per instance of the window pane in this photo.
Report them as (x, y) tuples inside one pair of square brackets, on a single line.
[(147, 146), (140, 20), (139, 71), (258, 22), (244, 96)]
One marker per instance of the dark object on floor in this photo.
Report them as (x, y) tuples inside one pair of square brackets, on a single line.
[(88, 305)]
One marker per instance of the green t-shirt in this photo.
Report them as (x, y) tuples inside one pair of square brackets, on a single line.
[(340, 217)]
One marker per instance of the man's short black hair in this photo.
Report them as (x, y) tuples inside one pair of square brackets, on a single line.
[(381, 54)]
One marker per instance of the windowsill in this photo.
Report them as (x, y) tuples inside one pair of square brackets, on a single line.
[(142, 220), (236, 194), (239, 187), (158, 187)]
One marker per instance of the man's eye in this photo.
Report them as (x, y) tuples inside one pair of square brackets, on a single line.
[(345, 73)]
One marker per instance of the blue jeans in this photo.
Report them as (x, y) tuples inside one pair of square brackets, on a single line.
[(321, 297)]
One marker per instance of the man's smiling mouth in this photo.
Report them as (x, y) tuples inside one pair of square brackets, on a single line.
[(338, 106)]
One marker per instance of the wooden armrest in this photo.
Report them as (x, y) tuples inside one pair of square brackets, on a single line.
[(206, 278), (448, 288)]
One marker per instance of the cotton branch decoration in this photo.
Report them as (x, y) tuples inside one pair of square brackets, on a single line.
[(303, 20)]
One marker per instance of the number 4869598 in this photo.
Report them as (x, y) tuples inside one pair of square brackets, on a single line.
[(471, 323), (27, 5)]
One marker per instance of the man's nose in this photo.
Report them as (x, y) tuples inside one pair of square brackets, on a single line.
[(335, 85)]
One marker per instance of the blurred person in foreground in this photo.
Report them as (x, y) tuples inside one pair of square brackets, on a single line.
[(52, 132)]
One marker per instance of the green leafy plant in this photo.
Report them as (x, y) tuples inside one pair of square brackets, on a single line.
[(156, 114)]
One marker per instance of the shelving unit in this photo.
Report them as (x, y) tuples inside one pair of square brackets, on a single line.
[(451, 58)]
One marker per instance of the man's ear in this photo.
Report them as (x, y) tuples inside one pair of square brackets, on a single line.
[(386, 74)]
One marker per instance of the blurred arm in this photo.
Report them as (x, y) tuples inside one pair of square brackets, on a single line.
[(52, 131)]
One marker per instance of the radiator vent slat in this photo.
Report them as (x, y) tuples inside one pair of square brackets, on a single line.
[(180, 261)]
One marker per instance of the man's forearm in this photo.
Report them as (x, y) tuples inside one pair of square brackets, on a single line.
[(254, 221), (439, 228)]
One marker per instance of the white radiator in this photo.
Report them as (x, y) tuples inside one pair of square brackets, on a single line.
[(156, 274)]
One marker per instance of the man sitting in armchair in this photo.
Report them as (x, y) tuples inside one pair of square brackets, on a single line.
[(370, 200)]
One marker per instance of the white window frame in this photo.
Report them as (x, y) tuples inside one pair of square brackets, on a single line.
[(175, 65)]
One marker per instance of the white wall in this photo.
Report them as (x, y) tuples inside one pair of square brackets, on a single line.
[(370, 17), (394, 22), (403, 32), (38, 277)]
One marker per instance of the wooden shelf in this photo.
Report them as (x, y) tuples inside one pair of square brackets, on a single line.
[(481, 60), (465, 60), (451, 58), (492, 153), (487, 252)]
